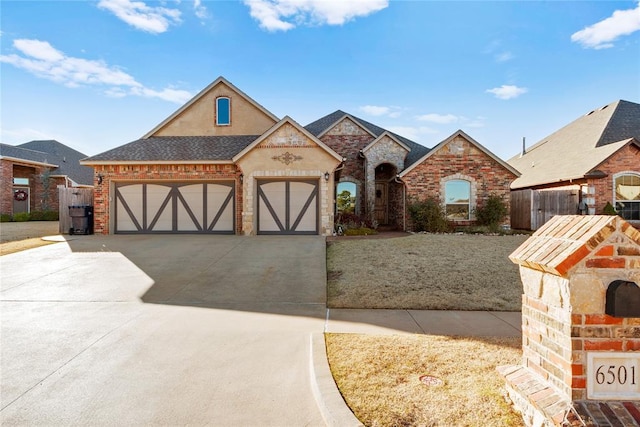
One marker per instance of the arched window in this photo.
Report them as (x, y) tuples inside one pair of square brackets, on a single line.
[(627, 195), (346, 197), (457, 198), (223, 111)]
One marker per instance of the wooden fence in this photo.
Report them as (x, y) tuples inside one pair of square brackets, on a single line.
[(530, 209), (72, 197)]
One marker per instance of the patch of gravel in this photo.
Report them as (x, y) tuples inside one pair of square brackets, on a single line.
[(425, 272)]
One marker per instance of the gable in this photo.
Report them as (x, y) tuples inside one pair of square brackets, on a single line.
[(460, 151), (347, 126), (198, 117)]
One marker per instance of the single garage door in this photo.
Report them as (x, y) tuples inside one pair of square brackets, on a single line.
[(287, 207), (175, 207)]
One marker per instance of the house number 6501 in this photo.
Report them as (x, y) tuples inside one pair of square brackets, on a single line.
[(613, 374)]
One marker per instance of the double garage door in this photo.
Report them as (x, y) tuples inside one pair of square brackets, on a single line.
[(284, 207)]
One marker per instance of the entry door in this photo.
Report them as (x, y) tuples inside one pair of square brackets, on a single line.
[(175, 207), (381, 205), (288, 207), (20, 199)]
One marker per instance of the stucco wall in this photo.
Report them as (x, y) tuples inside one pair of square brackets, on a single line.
[(287, 153), (199, 118)]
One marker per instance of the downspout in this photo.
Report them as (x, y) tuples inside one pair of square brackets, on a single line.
[(404, 201)]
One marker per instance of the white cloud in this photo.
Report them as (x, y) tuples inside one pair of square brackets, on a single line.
[(137, 14), (374, 110), (503, 56), (45, 61), (601, 34), (413, 133), (438, 118), (377, 111), (507, 91), (200, 10), (283, 15)]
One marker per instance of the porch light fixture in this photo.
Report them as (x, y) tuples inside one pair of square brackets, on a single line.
[(241, 178), (100, 179), (326, 176)]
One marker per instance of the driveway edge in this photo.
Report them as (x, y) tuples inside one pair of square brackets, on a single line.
[(332, 406)]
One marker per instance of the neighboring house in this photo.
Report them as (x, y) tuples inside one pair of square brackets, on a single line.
[(31, 173), (593, 161), (224, 164)]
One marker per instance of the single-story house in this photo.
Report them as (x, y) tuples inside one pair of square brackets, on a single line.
[(31, 173), (593, 161), (222, 163)]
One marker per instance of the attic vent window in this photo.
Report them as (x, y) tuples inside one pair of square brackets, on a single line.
[(623, 299), (223, 111)]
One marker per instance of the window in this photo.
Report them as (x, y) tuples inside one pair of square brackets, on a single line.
[(457, 196), (223, 111), (346, 197), (627, 196), (20, 181)]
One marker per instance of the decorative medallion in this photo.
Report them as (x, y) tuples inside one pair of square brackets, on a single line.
[(287, 158)]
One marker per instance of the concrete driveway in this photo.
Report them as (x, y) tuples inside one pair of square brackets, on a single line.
[(172, 330)]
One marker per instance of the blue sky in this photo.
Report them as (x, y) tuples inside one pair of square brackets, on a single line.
[(98, 74)]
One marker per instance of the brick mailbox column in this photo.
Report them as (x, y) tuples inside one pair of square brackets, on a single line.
[(580, 324)]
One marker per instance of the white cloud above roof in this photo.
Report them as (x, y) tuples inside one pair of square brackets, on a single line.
[(377, 111), (438, 118), (43, 60), (146, 18), (507, 91), (602, 34), (283, 15)]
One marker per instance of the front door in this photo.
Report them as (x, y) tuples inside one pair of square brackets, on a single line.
[(381, 204), (20, 199)]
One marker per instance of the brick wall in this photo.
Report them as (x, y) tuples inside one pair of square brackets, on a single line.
[(625, 160), (103, 197), (488, 175), (39, 199)]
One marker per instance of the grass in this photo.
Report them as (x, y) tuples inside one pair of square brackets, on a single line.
[(22, 245), (379, 378), (425, 271)]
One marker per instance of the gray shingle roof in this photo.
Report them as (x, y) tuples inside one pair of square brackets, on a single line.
[(52, 152), (322, 124), (177, 148), (580, 146)]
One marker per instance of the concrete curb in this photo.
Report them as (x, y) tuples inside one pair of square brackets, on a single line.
[(334, 410)]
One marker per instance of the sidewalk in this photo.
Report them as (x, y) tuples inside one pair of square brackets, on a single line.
[(431, 322)]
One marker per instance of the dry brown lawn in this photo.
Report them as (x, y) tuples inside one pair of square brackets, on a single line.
[(425, 271), (379, 378), (22, 245)]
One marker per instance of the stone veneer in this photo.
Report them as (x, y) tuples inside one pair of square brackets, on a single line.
[(566, 268)]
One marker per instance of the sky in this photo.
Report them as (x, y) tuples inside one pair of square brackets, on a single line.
[(95, 75)]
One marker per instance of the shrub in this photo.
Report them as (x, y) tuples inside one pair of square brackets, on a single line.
[(351, 221), (609, 210), (361, 231), (428, 215), (492, 213), (44, 216), (21, 217), (5, 217)]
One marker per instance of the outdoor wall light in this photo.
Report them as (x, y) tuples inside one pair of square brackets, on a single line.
[(241, 178), (100, 177), (326, 176)]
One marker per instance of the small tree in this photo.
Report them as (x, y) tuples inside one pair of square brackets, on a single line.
[(428, 215), (493, 212), (345, 202)]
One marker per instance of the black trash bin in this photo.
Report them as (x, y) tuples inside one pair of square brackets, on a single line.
[(81, 219)]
